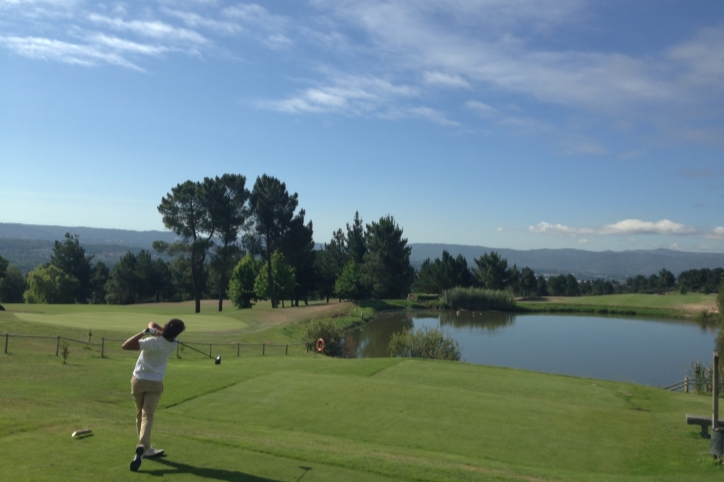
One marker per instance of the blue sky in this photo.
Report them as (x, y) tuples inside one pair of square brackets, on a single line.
[(502, 123)]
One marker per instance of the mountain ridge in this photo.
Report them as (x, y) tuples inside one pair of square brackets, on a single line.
[(28, 246)]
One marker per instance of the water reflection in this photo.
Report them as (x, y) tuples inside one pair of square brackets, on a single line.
[(476, 321), (651, 352)]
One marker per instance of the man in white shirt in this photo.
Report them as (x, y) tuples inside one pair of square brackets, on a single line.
[(147, 380)]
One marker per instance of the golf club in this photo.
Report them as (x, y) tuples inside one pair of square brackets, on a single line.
[(218, 359)]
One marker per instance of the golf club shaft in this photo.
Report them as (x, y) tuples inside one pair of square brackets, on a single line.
[(189, 346)]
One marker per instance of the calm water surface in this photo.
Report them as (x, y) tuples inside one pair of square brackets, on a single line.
[(648, 352)]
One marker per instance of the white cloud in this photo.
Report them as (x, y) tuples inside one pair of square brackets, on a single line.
[(344, 94), (154, 29), (116, 43), (718, 232), (431, 115), (194, 20), (445, 80), (625, 227), (70, 53), (481, 108)]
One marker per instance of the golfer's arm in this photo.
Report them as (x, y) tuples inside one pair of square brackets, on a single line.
[(133, 342)]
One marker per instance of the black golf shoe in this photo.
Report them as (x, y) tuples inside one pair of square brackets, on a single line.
[(136, 462)]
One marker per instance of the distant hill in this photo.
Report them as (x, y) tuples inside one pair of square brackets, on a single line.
[(121, 237), (582, 264), (28, 246)]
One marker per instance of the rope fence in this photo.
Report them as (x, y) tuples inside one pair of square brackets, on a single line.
[(113, 344)]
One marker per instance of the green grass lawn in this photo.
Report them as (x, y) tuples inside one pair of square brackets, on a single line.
[(311, 418)]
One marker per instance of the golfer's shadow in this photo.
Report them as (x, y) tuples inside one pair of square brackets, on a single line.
[(209, 473)]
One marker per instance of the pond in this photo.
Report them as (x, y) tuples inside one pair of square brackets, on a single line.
[(647, 352)]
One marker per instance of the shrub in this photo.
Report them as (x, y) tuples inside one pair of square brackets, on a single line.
[(327, 330), (424, 343), (478, 299), (700, 374), (241, 284), (64, 351)]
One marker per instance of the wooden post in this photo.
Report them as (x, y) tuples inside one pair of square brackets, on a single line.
[(286, 352), (715, 392), (210, 350), (7, 337), (263, 349), (686, 384), (57, 347), (237, 350), (103, 346)]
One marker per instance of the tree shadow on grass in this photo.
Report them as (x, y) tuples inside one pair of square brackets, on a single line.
[(210, 473)]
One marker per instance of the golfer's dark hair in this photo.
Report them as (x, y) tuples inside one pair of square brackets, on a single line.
[(173, 328)]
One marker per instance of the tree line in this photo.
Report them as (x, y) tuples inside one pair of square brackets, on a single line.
[(491, 271), (255, 244)]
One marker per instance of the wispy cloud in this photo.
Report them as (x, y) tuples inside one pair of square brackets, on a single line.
[(345, 94), (153, 29), (50, 49), (481, 108), (628, 227), (436, 47), (445, 80)]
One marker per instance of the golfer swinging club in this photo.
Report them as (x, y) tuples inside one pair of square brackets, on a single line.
[(147, 380)]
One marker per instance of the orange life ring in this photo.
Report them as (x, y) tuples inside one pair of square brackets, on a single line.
[(320, 345)]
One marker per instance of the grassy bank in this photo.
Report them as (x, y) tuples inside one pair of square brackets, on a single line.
[(672, 305)]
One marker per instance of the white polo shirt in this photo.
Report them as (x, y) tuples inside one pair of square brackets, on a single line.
[(152, 362)]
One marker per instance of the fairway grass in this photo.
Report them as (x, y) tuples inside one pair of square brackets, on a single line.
[(210, 324), (265, 418), (306, 417)]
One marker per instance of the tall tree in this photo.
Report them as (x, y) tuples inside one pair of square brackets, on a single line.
[(226, 197), (298, 249), (667, 280), (492, 271), (123, 282), (71, 258), (442, 274), (329, 263), (273, 209), (356, 244), (187, 213), (3, 266), (528, 283), (99, 277), (386, 267)]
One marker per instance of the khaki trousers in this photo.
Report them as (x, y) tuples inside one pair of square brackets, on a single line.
[(146, 394)]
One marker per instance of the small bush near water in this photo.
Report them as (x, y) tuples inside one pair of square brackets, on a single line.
[(701, 376), (478, 299), (327, 330), (424, 343)]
